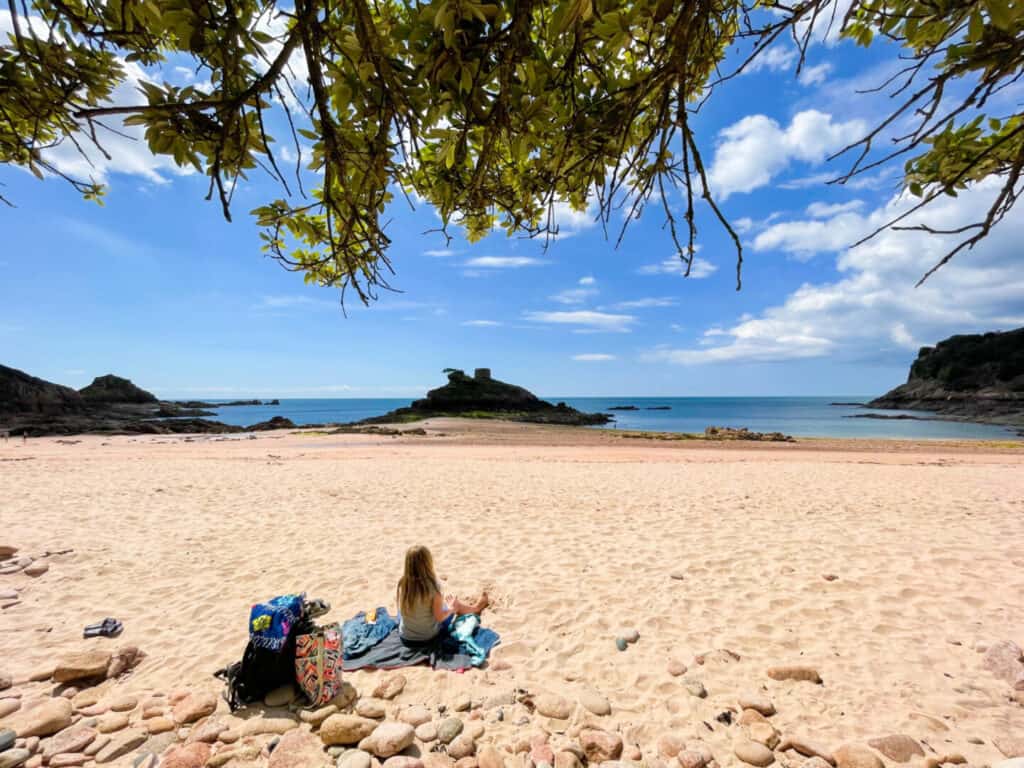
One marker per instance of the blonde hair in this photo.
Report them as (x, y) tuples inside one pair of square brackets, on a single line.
[(419, 582)]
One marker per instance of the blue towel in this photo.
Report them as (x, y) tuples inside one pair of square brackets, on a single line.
[(270, 623)]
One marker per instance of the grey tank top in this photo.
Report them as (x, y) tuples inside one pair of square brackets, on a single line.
[(418, 624)]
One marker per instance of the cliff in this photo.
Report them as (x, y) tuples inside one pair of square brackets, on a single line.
[(21, 393), (114, 389), (977, 377), (481, 396)]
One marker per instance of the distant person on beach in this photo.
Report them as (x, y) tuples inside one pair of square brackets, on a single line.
[(423, 610)]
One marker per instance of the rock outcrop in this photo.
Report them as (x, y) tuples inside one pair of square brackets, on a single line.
[(22, 393), (482, 396), (113, 389), (977, 377)]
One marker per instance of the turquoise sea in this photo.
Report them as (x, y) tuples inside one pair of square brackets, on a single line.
[(799, 416)]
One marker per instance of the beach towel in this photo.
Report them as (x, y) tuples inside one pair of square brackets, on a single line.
[(461, 644), (270, 623)]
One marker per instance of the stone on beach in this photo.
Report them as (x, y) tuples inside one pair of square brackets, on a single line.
[(856, 756), (763, 733), (36, 569), (7, 739), (192, 755), (691, 758), (12, 758), (449, 729), (115, 721), (806, 747), (121, 745), (670, 745), (402, 761), (1011, 746), (82, 666), (298, 749), (600, 746), (1005, 660), (462, 746), (9, 706), (281, 696), (564, 759), (73, 739), (751, 716), (695, 687), (45, 719), (759, 703), (123, 704), (316, 716), (208, 730), (753, 753), (389, 738), (795, 672), (898, 747), (415, 715), (67, 760), (676, 668), (353, 758), (123, 659), (193, 707), (426, 732), (554, 706), (272, 725), (371, 708), (157, 725), (389, 687), (594, 702)]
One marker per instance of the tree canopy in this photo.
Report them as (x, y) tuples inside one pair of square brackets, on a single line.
[(491, 112)]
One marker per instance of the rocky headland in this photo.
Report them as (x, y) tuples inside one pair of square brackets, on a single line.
[(481, 396), (978, 377), (109, 405)]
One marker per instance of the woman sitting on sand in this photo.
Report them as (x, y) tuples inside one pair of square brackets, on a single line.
[(423, 610)]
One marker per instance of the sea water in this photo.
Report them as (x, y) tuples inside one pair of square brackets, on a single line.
[(799, 416)]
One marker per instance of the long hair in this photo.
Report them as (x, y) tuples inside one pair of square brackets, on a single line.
[(418, 582)]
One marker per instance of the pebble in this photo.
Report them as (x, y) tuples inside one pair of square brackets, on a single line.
[(415, 715), (7, 739), (208, 730), (297, 749), (600, 746), (194, 706), (389, 738), (751, 716), (157, 725), (816, 762), (12, 758), (69, 760), (121, 745), (81, 666), (677, 575), (281, 696), (401, 761), (676, 668), (427, 732), (758, 703), (807, 748), (554, 706), (695, 687), (763, 733), (98, 743), (192, 755), (499, 665), (1004, 660), (316, 716), (564, 759), (620, 643), (463, 704), (489, 757), (798, 673), (36, 569), (8, 706), (123, 704), (829, 576), (123, 659), (462, 746), (630, 635), (692, 758), (272, 725), (856, 756), (753, 753), (449, 729), (670, 745), (594, 702), (475, 729), (112, 722), (46, 719), (32, 744), (898, 747), (389, 687), (69, 740), (471, 762), (371, 708), (353, 758)]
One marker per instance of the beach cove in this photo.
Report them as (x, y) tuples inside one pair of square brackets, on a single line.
[(889, 568)]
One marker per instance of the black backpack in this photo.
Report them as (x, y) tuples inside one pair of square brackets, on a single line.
[(261, 670)]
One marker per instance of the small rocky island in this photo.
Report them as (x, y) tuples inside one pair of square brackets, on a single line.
[(109, 405), (482, 396), (978, 377)]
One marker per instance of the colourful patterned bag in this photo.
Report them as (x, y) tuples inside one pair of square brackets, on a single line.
[(318, 659)]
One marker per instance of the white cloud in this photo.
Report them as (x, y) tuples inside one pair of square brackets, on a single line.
[(503, 262), (673, 265), (593, 357), (481, 323), (873, 309), (647, 303), (587, 281), (570, 222), (587, 320), (818, 210), (440, 254), (288, 301), (574, 295), (775, 59), (756, 149), (815, 75)]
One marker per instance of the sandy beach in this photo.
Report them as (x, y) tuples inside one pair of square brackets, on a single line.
[(890, 568)]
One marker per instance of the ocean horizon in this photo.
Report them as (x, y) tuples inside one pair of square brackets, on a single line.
[(806, 416)]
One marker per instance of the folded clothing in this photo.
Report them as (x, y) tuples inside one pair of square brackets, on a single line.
[(461, 644), (359, 634)]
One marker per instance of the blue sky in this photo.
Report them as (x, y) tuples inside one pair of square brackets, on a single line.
[(156, 286)]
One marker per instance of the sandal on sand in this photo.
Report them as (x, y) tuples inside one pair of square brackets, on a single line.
[(106, 628)]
